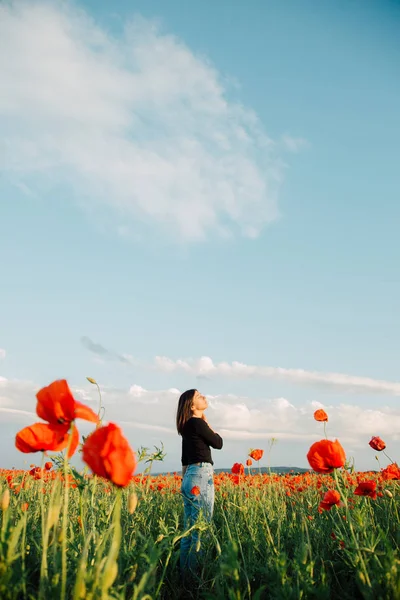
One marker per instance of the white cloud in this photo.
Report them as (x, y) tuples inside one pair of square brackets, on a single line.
[(206, 367), (137, 127), (2, 353), (148, 417)]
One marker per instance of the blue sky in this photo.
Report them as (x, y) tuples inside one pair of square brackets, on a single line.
[(187, 180)]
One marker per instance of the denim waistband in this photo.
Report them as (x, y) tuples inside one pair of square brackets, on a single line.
[(200, 464)]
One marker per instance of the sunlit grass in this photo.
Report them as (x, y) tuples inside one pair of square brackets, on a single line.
[(268, 538)]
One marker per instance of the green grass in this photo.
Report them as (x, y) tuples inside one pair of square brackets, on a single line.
[(262, 543)]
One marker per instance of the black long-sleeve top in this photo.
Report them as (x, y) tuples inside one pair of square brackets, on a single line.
[(197, 437)]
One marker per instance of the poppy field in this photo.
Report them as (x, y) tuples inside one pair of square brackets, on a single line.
[(107, 532)]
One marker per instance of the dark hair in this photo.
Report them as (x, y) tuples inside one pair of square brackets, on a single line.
[(184, 411)]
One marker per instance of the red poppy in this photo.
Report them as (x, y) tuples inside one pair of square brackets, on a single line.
[(109, 455), (366, 488), (324, 456), (320, 415), (48, 465), (249, 462), (40, 437), (238, 469), (377, 444), (56, 404), (256, 454), (195, 491), (330, 498), (391, 472)]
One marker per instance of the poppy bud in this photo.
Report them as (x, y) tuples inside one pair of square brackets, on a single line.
[(5, 500), (110, 576), (132, 503), (91, 380)]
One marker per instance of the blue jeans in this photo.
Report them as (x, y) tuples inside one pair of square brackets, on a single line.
[(202, 476)]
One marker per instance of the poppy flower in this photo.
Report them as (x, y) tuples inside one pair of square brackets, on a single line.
[(366, 488), (48, 465), (391, 472), (256, 454), (377, 444), (320, 415), (195, 491), (109, 455), (249, 462), (331, 498), (56, 405), (324, 456), (238, 469), (41, 437)]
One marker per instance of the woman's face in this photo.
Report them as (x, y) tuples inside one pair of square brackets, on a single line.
[(199, 401)]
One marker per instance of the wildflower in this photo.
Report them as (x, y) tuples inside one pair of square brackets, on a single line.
[(48, 465), (320, 415), (377, 444), (256, 454), (109, 455), (24, 506), (195, 491), (249, 462), (391, 472), (331, 498), (238, 469), (325, 456), (57, 406), (366, 488), (41, 437)]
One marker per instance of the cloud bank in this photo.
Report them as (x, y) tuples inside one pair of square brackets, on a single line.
[(206, 367), (138, 127), (237, 418)]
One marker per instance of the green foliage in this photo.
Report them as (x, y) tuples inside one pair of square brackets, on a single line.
[(262, 543)]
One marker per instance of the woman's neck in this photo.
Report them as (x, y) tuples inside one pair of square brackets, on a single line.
[(197, 413)]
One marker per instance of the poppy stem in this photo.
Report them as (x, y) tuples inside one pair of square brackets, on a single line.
[(100, 406), (43, 565), (111, 565), (343, 494), (64, 520), (392, 461)]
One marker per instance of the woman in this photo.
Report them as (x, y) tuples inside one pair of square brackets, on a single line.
[(197, 469)]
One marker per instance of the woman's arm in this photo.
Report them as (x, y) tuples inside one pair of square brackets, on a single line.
[(210, 437)]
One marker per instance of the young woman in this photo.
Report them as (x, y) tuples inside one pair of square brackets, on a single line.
[(197, 469)]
